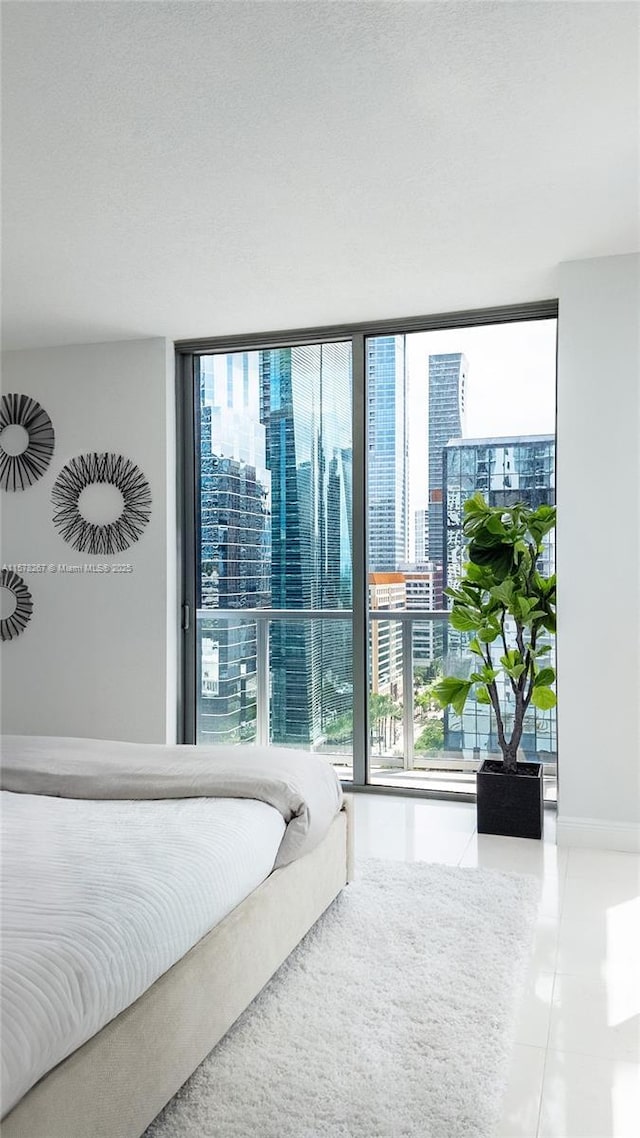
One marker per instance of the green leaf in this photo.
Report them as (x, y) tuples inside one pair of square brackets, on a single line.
[(459, 701), (543, 698), (463, 620), (482, 695), (452, 690), (495, 525), (476, 505), (498, 557), (488, 633), (474, 647), (465, 594), (520, 607), (541, 651), (544, 677), (541, 521), (503, 592), (478, 575), (486, 676)]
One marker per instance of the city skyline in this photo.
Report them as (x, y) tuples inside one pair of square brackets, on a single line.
[(401, 423), (276, 460), (275, 532), (509, 389)]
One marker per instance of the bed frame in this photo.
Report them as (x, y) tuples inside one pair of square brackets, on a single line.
[(118, 1081)]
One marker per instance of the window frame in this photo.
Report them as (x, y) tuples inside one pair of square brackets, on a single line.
[(188, 493)]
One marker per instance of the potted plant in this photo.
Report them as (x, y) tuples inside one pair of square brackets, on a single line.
[(507, 605)]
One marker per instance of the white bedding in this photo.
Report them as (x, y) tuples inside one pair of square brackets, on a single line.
[(304, 787), (100, 898)]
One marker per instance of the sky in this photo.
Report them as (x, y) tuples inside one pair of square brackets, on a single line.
[(511, 386)]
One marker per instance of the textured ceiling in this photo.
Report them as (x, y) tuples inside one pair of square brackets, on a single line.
[(191, 169)]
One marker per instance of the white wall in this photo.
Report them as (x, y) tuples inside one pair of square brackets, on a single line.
[(597, 552), (98, 656)]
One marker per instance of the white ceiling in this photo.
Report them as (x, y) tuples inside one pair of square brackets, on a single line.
[(192, 169)]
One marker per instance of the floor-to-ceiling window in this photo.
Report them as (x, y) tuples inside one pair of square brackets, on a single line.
[(450, 412), (325, 477), (273, 554)]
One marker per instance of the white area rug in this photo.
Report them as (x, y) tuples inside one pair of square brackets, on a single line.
[(393, 1017)]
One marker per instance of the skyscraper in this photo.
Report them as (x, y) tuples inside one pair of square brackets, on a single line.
[(305, 406), (447, 378), (421, 583), (387, 476), (235, 535), (421, 524), (386, 591), (505, 471)]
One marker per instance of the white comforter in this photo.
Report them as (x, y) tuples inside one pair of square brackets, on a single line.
[(302, 786), (100, 898)]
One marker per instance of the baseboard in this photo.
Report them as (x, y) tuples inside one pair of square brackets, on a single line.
[(598, 834)]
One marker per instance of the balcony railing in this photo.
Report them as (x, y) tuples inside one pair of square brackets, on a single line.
[(252, 675), (238, 674)]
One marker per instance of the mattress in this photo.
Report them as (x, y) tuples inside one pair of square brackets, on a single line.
[(100, 898)]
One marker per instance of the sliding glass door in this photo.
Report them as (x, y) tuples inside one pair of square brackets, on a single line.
[(325, 478), (451, 412)]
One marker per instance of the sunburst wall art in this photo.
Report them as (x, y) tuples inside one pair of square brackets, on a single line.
[(17, 471), (91, 537), (12, 626)]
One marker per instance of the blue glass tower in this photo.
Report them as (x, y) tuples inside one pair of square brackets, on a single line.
[(387, 474), (447, 378), (235, 536), (305, 406)]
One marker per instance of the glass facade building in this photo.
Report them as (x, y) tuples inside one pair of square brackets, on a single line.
[(447, 378), (305, 408), (421, 536), (235, 532), (421, 583), (275, 532), (387, 472)]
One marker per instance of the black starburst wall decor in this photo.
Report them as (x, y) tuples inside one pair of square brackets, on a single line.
[(87, 470), (12, 626), (17, 471)]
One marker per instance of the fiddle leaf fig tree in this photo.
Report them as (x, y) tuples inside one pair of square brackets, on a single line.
[(507, 605)]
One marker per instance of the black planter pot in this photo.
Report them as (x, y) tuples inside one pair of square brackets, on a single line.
[(510, 804)]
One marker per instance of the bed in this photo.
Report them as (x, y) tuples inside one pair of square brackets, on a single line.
[(145, 913)]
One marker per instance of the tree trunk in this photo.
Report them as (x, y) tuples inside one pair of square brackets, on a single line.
[(510, 749), (509, 759)]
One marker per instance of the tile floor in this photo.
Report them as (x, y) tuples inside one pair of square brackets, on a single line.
[(576, 1060)]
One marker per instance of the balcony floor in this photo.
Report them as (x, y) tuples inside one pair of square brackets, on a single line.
[(442, 781)]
